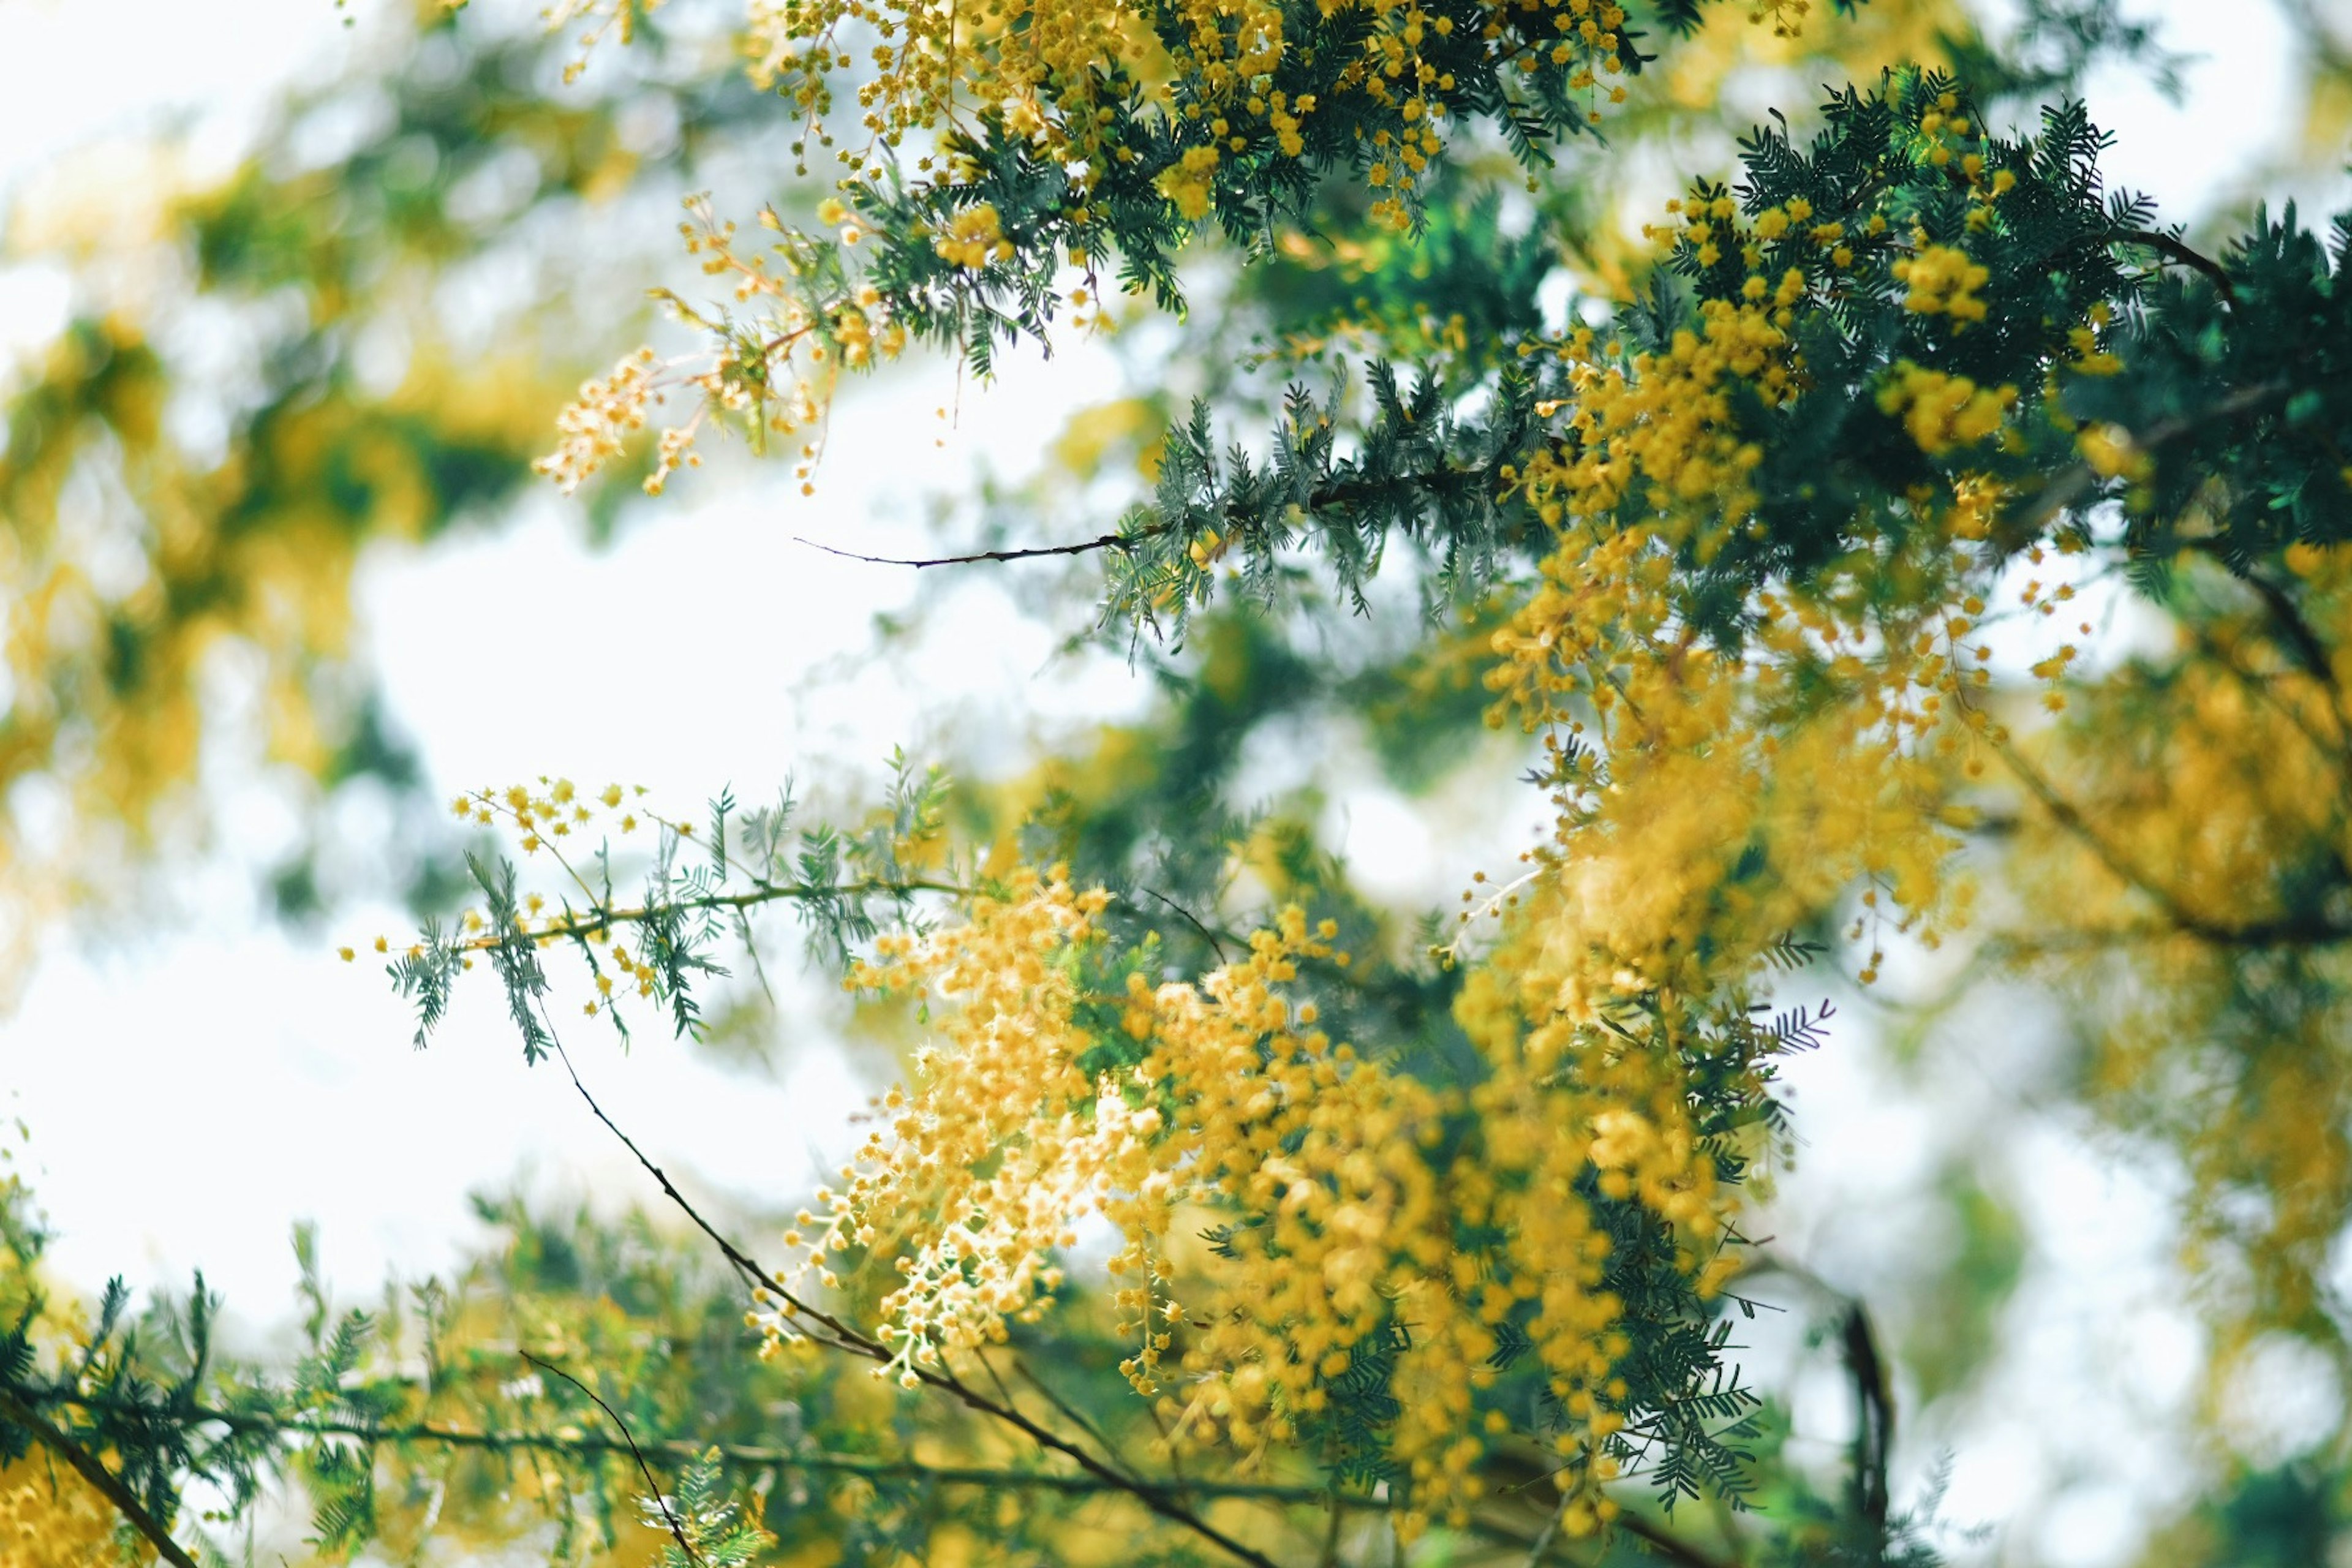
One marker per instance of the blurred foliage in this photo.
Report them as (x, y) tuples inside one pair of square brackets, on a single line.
[(264, 371), (2162, 842)]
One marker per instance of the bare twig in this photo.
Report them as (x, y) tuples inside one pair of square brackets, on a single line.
[(1194, 921), (660, 1502), (1070, 1413), (1106, 541), (753, 1272)]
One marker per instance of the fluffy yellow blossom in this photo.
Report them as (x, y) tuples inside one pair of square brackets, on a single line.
[(50, 1517), (596, 427), (1342, 1192), (973, 239), (1943, 411), (1943, 280)]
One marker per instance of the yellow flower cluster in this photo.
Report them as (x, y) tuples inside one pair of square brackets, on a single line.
[(1033, 62), (1744, 792), (1943, 411), (2206, 788), (50, 1517), (1943, 280), (595, 428), (1361, 1214), (774, 374), (974, 239), (1037, 65), (1658, 429), (1186, 181)]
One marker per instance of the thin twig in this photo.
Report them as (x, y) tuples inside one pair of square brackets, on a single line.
[(1330, 1556), (1158, 1498), (597, 919), (2173, 248), (1106, 541), (739, 1455), (1206, 934), (745, 1264), (1070, 1413), (660, 1502), (86, 1465), (1550, 1533)]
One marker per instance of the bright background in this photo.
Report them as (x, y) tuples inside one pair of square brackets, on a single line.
[(218, 1123)]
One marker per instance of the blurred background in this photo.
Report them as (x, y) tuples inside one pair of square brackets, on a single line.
[(289, 294)]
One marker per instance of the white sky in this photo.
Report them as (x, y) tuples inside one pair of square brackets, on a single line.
[(218, 1122)]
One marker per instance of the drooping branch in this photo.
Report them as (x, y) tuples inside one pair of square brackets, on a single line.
[(1160, 1500), (86, 1465), (661, 1500)]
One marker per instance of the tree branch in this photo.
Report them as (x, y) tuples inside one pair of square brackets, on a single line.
[(2286, 931), (2172, 248), (86, 1465), (743, 1456), (677, 1530), (597, 920), (1874, 1438), (1106, 541), (1159, 1500)]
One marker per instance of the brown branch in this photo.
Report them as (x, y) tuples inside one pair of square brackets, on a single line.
[(760, 1277), (1069, 1412), (1194, 921), (1874, 1438), (677, 1531), (2289, 931), (2173, 248), (597, 920), (1106, 541), (2072, 483), (1335, 493), (742, 1456), (86, 1465)]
